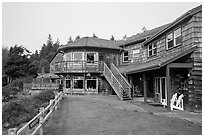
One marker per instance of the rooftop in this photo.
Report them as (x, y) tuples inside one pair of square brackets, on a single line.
[(91, 42), (157, 62)]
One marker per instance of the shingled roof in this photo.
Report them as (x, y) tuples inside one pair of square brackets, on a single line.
[(141, 36), (175, 22), (92, 42), (157, 62)]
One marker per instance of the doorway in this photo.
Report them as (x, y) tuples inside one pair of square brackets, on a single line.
[(161, 90)]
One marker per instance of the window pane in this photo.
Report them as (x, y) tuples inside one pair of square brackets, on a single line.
[(150, 46), (67, 57), (170, 44), (90, 56), (154, 51), (68, 83), (126, 53), (78, 56), (78, 84), (150, 53), (177, 32), (91, 84), (169, 37), (178, 40), (125, 58)]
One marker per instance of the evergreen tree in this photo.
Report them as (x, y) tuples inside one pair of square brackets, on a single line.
[(77, 37), (18, 63), (94, 35), (70, 40)]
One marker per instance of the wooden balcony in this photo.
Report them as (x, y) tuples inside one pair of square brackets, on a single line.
[(79, 66)]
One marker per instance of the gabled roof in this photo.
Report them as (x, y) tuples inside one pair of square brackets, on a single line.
[(157, 62), (141, 36), (92, 42), (175, 22)]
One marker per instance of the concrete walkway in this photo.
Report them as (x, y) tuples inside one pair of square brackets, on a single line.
[(161, 111)]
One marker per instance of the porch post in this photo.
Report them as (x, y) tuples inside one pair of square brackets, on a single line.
[(145, 87), (131, 83), (168, 84)]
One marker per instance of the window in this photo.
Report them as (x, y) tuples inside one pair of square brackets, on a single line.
[(152, 49), (125, 56), (169, 40), (135, 53), (78, 83), (67, 83), (67, 56), (78, 56), (91, 83), (174, 38), (91, 57), (177, 36)]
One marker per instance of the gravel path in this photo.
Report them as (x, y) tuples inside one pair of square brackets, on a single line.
[(104, 115)]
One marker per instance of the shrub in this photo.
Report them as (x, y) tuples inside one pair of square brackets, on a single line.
[(23, 110), (45, 96)]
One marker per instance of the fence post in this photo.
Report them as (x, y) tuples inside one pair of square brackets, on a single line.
[(12, 131), (41, 119), (56, 99)]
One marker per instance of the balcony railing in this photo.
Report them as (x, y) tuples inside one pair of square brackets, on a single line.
[(78, 66), (45, 86)]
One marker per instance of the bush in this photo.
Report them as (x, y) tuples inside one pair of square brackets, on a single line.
[(23, 110), (9, 93), (14, 113), (45, 96)]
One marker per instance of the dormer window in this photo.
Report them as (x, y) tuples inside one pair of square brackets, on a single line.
[(169, 40), (152, 49), (177, 36)]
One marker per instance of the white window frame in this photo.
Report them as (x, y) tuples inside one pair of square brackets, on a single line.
[(125, 56), (95, 57), (92, 79), (78, 78), (154, 47), (70, 83), (167, 47), (76, 59), (136, 53), (177, 36)]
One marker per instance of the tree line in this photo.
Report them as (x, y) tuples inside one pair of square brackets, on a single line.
[(18, 62)]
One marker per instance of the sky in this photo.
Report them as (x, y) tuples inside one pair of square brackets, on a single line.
[(29, 24)]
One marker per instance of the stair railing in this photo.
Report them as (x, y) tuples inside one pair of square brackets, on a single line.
[(121, 79), (117, 87)]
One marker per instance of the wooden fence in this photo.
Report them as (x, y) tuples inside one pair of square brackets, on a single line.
[(37, 122)]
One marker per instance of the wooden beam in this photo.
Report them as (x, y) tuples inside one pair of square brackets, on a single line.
[(145, 87), (180, 65), (168, 84)]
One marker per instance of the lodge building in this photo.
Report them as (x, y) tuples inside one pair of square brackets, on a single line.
[(154, 64)]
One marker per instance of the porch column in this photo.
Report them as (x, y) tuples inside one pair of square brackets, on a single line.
[(145, 87), (131, 83), (168, 84)]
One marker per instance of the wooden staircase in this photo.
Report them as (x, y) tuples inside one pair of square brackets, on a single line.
[(119, 84)]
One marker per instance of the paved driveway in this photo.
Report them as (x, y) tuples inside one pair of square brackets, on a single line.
[(105, 115)]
